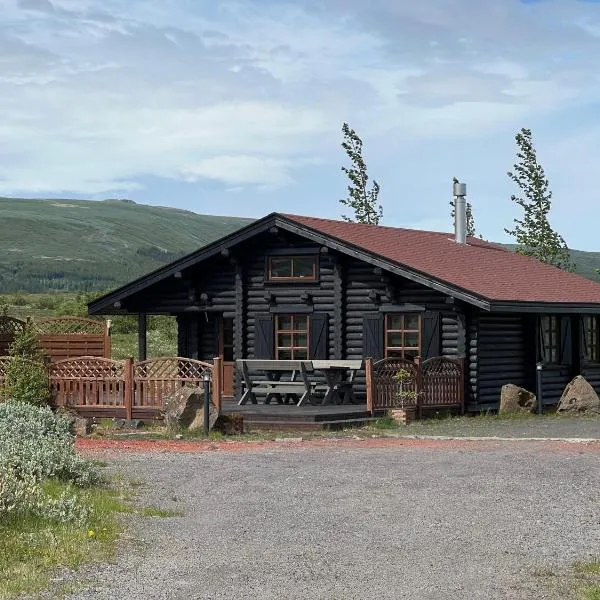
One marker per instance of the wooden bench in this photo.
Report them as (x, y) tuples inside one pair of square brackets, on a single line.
[(273, 386)]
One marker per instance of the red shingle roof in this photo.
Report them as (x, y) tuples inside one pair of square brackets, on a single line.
[(486, 270)]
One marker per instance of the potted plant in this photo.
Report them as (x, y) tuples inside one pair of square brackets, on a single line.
[(408, 398)]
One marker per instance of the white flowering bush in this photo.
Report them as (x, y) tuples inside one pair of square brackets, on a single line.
[(37, 446)]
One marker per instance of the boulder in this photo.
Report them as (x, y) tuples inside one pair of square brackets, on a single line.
[(579, 397), (515, 399), (185, 409), (232, 424), (82, 426)]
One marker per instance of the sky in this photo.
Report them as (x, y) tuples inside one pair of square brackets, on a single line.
[(236, 108)]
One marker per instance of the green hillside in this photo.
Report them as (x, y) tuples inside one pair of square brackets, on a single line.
[(82, 245), (71, 245), (586, 263)]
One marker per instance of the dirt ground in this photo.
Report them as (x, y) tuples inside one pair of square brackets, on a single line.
[(374, 518)]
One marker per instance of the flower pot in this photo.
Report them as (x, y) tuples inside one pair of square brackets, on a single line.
[(403, 416)]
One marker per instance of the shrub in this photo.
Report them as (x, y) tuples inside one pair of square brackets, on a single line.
[(26, 377), (36, 446)]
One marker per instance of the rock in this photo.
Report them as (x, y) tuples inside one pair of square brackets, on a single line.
[(185, 409), (198, 422), (515, 399), (82, 426), (232, 424), (579, 397)]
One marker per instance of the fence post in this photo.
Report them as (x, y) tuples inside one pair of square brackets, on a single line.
[(107, 340), (217, 380), (369, 383), (129, 391)]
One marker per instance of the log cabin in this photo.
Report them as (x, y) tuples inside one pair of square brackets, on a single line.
[(298, 287)]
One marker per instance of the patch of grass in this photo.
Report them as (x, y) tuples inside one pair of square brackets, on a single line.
[(385, 423), (591, 593), (33, 548), (587, 568)]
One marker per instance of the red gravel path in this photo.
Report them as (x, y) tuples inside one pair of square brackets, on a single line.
[(103, 445)]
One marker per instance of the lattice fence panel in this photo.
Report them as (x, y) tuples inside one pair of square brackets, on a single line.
[(386, 389), (442, 382), (9, 328), (69, 326), (88, 381), (157, 379)]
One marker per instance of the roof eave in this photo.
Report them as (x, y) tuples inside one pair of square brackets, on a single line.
[(544, 307)]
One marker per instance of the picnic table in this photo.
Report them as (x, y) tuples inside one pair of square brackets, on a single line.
[(339, 377)]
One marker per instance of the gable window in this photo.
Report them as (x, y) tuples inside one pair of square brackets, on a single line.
[(550, 339), (291, 337), (402, 335), (292, 268), (592, 338)]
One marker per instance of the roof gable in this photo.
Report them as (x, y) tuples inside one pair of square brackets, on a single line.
[(480, 273)]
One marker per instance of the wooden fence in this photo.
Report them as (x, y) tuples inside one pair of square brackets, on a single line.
[(101, 387), (436, 383), (61, 337)]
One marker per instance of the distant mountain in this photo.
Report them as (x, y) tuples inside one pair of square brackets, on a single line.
[(72, 245), (586, 263)]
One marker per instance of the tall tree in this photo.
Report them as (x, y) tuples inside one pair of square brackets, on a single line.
[(533, 232), (469, 211), (361, 200)]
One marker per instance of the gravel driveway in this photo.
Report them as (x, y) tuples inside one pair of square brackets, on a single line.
[(456, 520)]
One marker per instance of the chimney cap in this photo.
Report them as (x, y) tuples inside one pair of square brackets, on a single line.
[(460, 189)]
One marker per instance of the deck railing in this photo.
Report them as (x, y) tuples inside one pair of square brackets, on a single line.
[(124, 388), (436, 383)]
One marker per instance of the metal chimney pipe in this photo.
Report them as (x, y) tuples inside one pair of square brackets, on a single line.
[(460, 213)]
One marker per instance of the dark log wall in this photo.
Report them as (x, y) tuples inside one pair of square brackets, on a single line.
[(285, 297), (369, 291), (591, 372), (362, 280), (500, 355)]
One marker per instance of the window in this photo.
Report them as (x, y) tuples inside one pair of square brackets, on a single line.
[(402, 335), (291, 337), (550, 339), (292, 268), (592, 338)]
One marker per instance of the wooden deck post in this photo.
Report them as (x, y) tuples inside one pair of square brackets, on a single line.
[(129, 391), (107, 340), (369, 383), (217, 382), (142, 339)]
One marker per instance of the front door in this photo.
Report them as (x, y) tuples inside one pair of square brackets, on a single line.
[(226, 353)]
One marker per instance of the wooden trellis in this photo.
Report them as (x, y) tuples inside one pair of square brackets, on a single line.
[(61, 337)]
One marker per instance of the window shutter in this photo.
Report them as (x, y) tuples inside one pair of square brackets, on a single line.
[(566, 353), (541, 346), (318, 349), (263, 337), (373, 345), (431, 335), (584, 351)]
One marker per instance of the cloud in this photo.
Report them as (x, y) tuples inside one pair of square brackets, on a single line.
[(98, 96)]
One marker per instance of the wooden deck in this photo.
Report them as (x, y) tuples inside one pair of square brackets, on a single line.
[(277, 416)]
